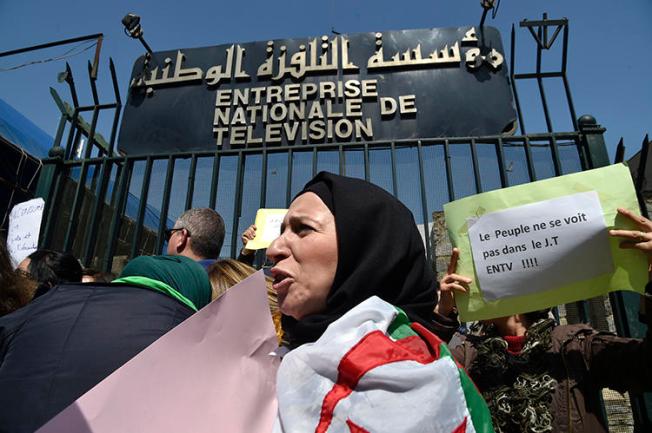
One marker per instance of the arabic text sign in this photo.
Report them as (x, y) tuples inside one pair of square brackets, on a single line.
[(214, 372), (268, 227), (24, 226), (341, 88), (526, 286), (540, 246)]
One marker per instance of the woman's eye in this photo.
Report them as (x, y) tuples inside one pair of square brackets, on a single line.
[(304, 228)]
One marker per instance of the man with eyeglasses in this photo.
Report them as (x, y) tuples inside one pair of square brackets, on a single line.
[(197, 234)]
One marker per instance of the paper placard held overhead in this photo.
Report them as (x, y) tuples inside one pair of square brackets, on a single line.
[(545, 243), (24, 226), (268, 228)]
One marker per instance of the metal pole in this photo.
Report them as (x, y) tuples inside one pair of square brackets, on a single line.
[(96, 57)]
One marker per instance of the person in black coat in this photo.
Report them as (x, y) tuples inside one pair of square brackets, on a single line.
[(65, 342)]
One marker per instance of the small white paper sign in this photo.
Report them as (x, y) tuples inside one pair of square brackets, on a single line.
[(540, 246), (24, 226), (272, 227)]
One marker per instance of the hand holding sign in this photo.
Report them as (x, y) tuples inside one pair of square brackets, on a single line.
[(641, 240), (449, 284), (248, 235), (636, 239), (266, 229)]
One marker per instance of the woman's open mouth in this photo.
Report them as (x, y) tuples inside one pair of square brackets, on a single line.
[(282, 281)]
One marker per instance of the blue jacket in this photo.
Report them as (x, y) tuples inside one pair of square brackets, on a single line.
[(65, 342)]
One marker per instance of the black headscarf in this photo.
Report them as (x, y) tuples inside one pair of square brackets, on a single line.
[(380, 252)]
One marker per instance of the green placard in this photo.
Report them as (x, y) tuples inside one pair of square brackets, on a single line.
[(614, 187)]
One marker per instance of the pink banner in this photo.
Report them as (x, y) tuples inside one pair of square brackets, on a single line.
[(212, 373)]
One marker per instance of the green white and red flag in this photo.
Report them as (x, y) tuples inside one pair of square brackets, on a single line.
[(373, 371)]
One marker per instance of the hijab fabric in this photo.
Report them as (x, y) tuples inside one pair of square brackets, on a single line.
[(182, 274), (380, 252)]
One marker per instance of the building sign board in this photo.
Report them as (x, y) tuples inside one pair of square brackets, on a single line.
[(362, 87)]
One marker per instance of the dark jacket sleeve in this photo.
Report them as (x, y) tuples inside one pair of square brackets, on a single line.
[(247, 259), (445, 326), (622, 364)]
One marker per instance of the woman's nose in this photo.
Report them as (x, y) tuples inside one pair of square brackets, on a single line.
[(277, 250)]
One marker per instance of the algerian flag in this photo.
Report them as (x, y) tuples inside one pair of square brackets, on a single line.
[(370, 373)]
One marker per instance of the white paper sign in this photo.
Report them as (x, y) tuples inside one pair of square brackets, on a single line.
[(540, 246), (24, 225), (272, 227)]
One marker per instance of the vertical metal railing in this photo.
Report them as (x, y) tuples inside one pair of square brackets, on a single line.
[(424, 200), (215, 177), (94, 221), (191, 182), (165, 204), (118, 212), (144, 191), (420, 181), (237, 203), (476, 166), (449, 171)]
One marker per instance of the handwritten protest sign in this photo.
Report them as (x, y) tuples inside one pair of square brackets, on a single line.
[(544, 243), (268, 228), (24, 226), (507, 255)]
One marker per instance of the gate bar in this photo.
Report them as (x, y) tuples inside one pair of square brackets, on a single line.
[(512, 81), (263, 180), (394, 179), (76, 207), (95, 218), (191, 182), (500, 157), (288, 191), (237, 203), (140, 221), (544, 101), (165, 204), (449, 173), (424, 200), (528, 158), (476, 168), (215, 177), (114, 230)]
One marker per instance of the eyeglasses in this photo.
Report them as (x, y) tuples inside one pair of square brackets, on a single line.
[(169, 232)]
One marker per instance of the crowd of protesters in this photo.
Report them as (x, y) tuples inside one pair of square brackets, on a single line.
[(349, 257)]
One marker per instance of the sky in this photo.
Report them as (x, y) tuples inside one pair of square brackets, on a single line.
[(608, 67), (609, 61)]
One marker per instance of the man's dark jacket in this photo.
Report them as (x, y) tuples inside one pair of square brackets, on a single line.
[(63, 343)]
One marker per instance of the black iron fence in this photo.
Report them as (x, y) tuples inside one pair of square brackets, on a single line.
[(425, 173)]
